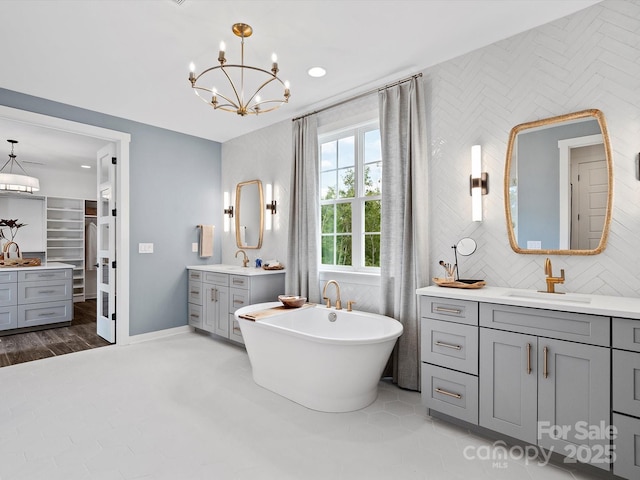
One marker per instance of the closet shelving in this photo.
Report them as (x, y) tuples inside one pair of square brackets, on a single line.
[(65, 238)]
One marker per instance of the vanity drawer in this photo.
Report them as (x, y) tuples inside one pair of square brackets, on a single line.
[(40, 275), (235, 333), (8, 318), (451, 345), (626, 334), (8, 294), (216, 278), (626, 382), (626, 447), (238, 281), (8, 277), (461, 311), (44, 313), (576, 327), (195, 292), (238, 298), (195, 315), (44, 291), (449, 392), (195, 275)]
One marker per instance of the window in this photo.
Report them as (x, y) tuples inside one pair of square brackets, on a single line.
[(350, 188)]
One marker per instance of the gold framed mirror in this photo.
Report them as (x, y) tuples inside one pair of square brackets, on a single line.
[(558, 185), (249, 214)]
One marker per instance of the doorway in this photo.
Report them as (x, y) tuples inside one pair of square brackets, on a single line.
[(120, 142)]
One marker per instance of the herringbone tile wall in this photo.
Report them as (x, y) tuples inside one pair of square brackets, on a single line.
[(590, 59)]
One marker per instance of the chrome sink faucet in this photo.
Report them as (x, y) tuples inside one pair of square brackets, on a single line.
[(551, 280), (327, 299), (245, 260)]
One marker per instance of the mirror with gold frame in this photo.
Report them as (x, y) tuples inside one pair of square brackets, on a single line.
[(249, 214), (558, 185)]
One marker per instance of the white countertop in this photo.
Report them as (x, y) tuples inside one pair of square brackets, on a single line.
[(234, 269), (46, 266), (626, 307)]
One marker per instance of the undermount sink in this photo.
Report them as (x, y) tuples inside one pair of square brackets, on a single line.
[(549, 297)]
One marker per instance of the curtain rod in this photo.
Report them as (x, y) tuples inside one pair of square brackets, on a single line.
[(356, 97)]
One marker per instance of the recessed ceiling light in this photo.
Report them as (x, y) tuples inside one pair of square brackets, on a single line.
[(317, 72), (85, 166)]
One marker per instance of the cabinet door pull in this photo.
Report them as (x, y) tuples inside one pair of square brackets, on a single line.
[(449, 394), (241, 302), (237, 281), (44, 275), (48, 314), (193, 315), (528, 359), (194, 292), (545, 370), (46, 291), (455, 311), (448, 345)]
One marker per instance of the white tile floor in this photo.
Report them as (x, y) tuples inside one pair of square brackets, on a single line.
[(186, 408)]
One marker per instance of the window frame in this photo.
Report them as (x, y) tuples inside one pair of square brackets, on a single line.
[(358, 131)]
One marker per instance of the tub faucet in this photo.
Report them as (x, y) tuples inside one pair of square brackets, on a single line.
[(245, 260), (327, 299), (551, 280)]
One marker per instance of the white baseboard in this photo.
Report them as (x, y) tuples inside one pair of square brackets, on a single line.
[(145, 337)]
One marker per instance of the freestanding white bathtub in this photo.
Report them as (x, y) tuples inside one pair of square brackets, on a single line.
[(325, 365)]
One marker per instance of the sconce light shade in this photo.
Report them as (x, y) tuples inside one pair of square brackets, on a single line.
[(478, 183)]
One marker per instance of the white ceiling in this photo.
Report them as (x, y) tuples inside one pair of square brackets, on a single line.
[(130, 58)]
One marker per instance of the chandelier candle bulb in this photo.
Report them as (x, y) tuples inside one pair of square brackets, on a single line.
[(221, 58), (274, 66)]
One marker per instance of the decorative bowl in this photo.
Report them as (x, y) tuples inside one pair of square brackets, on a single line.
[(292, 301)]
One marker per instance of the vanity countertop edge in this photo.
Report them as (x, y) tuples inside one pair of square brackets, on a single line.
[(625, 307), (234, 270), (46, 266)]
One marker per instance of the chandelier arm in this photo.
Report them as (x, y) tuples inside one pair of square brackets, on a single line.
[(20, 166), (6, 163), (233, 86), (259, 89)]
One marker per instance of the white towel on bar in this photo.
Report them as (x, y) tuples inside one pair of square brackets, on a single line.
[(206, 240)]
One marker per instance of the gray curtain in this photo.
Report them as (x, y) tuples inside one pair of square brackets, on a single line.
[(404, 211), (302, 260)]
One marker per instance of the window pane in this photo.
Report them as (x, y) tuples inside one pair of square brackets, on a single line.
[(328, 156), (343, 218), (346, 152), (328, 185), (327, 213), (372, 148), (372, 250), (327, 249), (373, 179), (343, 250), (346, 180), (372, 216)]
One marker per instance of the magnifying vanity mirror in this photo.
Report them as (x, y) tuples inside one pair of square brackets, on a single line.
[(558, 185), (249, 214)]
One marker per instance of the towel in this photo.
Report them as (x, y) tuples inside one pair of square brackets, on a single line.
[(206, 240)]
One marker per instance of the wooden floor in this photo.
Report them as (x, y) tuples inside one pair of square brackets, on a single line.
[(80, 335)]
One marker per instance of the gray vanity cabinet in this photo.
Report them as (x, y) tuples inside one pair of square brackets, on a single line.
[(509, 383), (626, 397)]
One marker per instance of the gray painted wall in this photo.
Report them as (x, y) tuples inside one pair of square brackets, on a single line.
[(174, 186)]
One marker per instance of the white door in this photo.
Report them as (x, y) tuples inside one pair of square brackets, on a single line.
[(106, 304)]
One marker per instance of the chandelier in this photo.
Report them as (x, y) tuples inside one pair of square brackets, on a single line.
[(238, 76), (16, 182)]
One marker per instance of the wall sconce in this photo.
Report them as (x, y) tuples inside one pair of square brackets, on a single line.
[(271, 205), (228, 212), (478, 183)]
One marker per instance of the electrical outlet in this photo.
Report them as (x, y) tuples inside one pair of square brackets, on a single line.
[(194, 247)]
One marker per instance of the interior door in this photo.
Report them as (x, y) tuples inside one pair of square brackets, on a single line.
[(106, 304)]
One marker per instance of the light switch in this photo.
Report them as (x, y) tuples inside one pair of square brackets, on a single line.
[(145, 248), (194, 247)]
